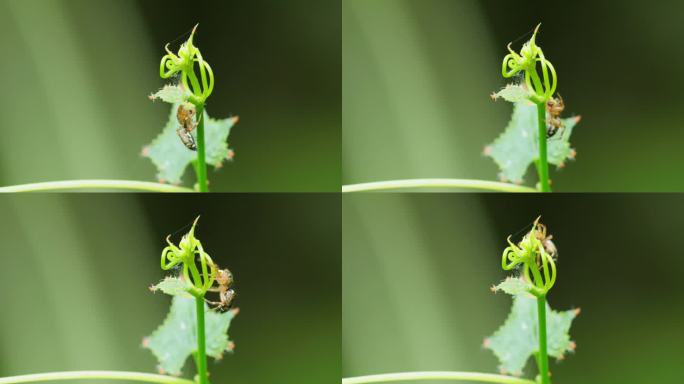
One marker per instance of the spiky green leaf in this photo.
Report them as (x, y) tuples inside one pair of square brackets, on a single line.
[(515, 286), (514, 93), (174, 94), (517, 147), (518, 337), (173, 286), (176, 339), (171, 157)]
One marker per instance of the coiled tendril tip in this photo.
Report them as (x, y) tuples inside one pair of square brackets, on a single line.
[(184, 63), (538, 266), (188, 253), (526, 61)]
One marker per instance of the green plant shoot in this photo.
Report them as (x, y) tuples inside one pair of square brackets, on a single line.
[(191, 328), (190, 136), (533, 135), (514, 343)]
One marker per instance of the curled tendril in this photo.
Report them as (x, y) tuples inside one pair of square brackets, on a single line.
[(543, 87), (534, 260), (184, 63), (188, 252)]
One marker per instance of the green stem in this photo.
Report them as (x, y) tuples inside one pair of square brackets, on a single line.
[(196, 279), (543, 360), (538, 281), (542, 162), (436, 375), (196, 89), (201, 152), (65, 185), (436, 184), (538, 87), (201, 347), (87, 375)]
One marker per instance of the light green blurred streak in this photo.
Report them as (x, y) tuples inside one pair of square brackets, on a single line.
[(127, 71), (61, 121), (404, 113), (80, 325), (66, 274), (127, 278), (394, 252), (63, 75), (461, 241), (391, 287), (26, 336)]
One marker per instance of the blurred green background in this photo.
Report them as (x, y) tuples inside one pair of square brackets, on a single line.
[(76, 75), (417, 75), (76, 270), (417, 270)]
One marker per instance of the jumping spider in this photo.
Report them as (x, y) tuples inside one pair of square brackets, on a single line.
[(554, 108), (186, 118), (549, 246), (187, 139), (224, 279), (545, 240)]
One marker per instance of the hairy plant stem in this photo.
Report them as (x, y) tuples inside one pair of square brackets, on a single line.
[(66, 185), (89, 375), (542, 162), (201, 167), (543, 358), (201, 342), (436, 375), (436, 184)]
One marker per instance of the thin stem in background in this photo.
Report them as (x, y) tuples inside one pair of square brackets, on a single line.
[(543, 358), (201, 343), (437, 375), (89, 375), (542, 162), (201, 152), (65, 185), (436, 184)]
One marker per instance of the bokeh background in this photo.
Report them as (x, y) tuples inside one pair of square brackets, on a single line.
[(76, 270), (76, 75), (417, 270), (417, 75)]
